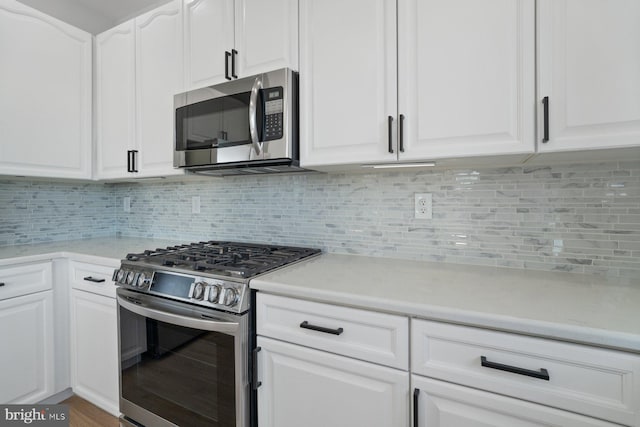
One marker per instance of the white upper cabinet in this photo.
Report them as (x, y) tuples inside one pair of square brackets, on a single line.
[(227, 39), (266, 35), (208, 35), (461, 83), (159, 76), (139, 68), (45, 102), (115, 100), (589, 71), (348, 76), (466, 77)]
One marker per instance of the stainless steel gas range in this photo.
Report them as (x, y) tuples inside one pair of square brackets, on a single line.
[(185, 331)]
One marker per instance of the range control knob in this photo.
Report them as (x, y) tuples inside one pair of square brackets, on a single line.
[(131, 278), (121, 275), (198, 290), (141, 280), (214, 293), (230, 297)]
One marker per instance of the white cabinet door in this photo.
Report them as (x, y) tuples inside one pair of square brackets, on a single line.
[(266, 35), (311, 388), (209, 33), (94, 349), (255, 35), (589, 68), (45, 106), (466, 77), (347, 81), (26, 359), (441, 404), (159, 76), (115, 100)]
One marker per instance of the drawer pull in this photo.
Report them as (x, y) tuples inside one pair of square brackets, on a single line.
[(1, 284), (306, 325), (93, 279), (543, 374)]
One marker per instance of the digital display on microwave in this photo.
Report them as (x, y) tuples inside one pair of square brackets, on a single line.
[(274, 94)]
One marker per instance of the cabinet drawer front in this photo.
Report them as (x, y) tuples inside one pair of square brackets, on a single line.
[(598, 382), (374, 337), (92, 278), (25, 279)]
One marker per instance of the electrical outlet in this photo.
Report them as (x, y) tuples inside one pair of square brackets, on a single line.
[(195, 205), (127, 204), (423, 208)]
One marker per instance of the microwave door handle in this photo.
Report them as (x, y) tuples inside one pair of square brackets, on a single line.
[(253, 110)]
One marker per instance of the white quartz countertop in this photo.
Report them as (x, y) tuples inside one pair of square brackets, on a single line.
[(112, 248), (581, 308), (589, 309)]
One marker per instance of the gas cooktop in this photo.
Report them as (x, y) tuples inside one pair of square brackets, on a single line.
[(213, 274), (242, 260)]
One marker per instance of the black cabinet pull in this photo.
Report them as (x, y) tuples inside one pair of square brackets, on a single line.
[(545, 104), (543, 374), (1, 284), (134, 160), (390, 120), (307, 325), (93, 279), (416, 394), (401, 131), (227, 55), (131, 161), (254, 379), (233, 63)]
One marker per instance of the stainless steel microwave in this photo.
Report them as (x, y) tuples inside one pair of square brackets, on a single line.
[(249, 125)]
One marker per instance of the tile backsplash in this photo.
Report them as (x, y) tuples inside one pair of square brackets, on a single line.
[(42, 211), (577, 218)]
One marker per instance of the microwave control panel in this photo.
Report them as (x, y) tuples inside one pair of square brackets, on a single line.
[(273, 113)]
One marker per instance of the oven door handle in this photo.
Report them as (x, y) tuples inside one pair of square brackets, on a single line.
[(253, 111), (208, 323)]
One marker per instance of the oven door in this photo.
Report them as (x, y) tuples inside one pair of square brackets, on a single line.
[(180, 364)]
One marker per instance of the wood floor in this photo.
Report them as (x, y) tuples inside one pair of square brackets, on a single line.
[(85, 414)]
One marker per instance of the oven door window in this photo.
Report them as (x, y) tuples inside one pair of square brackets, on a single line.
[(216, 123), (184, 375)]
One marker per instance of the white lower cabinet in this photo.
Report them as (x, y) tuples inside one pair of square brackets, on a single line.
[(441, 404), (26, 358), (327, 365), (324, 365), (94, 341), (94, 349), (27, 352), (306, 387), (525, 381)]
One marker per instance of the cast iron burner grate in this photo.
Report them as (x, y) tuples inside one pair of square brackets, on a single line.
[(224, 258)]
